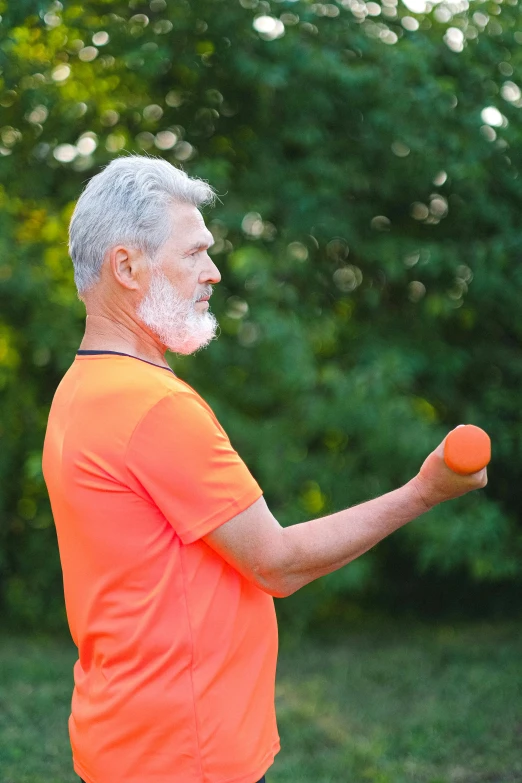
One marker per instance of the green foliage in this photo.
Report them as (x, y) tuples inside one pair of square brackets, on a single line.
[(368, 238)]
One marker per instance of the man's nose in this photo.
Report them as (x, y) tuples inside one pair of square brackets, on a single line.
[(212, 273)]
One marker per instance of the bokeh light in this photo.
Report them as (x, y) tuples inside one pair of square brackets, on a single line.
[(268, 27), (454, 39), (491, 116)]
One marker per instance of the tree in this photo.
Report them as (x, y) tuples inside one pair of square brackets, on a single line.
[(368, 161)]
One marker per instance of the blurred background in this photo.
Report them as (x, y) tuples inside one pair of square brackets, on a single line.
[(368, 160)]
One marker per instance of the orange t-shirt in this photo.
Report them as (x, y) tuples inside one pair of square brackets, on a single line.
[(175, 676)]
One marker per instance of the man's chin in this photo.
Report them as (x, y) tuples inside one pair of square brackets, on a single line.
[(192, 344)]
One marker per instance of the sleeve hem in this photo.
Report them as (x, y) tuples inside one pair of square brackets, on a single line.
[(223, 515)]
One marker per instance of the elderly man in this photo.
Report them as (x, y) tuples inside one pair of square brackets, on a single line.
[(170, 555)]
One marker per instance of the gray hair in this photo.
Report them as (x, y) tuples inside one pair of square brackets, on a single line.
[(127, 202)]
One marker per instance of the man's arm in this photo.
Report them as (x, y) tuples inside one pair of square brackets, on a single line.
[(282, 560)]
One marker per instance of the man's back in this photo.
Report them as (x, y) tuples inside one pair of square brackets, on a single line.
[(177, 651)]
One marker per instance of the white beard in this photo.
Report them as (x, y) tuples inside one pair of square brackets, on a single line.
[(175, 320)]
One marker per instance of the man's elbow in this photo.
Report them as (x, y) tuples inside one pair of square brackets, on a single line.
[(276, 590), (274, 571), (276, 583)]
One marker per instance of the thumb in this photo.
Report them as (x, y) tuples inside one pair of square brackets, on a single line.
[(439, 451)]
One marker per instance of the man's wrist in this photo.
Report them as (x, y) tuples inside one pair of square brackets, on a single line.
[(418, 496)]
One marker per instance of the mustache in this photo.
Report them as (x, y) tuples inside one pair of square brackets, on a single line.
[(206, 292)]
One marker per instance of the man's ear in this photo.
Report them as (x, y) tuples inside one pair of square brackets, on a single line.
[(125, 265)]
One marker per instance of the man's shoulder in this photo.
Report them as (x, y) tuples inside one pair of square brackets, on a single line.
[(121, 391)]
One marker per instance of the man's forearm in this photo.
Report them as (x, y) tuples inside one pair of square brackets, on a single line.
[(320, 546)]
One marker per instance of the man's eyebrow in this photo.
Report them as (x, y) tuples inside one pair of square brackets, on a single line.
[(200, 246)]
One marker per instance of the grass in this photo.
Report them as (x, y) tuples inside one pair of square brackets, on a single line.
[(402, 705)]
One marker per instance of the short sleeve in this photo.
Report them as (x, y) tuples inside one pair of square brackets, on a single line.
[(183, 459)]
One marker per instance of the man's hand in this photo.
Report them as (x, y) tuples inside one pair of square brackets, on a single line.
[(436, 483)]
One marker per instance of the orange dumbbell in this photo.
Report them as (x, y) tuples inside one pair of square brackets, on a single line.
[(467, 449)]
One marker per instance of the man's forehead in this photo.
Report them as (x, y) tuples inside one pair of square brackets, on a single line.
[(189, 226)]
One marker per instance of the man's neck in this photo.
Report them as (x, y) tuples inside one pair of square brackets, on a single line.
[(99, 336)]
